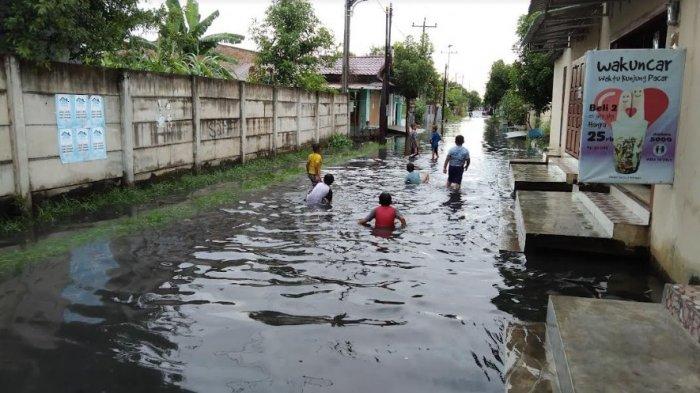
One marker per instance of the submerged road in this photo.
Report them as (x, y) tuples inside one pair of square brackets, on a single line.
[(266, 295)]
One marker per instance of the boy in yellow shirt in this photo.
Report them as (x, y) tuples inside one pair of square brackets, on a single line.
[(313, 165)]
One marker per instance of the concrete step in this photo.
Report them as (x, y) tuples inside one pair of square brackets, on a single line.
[(618, 221), (635, 197), (559, 221), (536, 177), (568, 165), (683, 304), (528, 370), (619, 346)]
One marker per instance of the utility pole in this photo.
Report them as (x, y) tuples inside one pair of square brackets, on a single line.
[(424, 26), (349, 4), (383, 119), (444, 91)]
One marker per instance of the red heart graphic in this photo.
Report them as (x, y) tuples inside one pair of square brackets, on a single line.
[(655, 104), (606, 103)]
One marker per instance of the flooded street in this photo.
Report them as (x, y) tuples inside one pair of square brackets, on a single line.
[(267, 295)]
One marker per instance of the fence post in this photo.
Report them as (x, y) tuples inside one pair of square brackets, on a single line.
[(126, 109), (298, 133), (275, 114), (243, 122), (332, 112), (18, 132), (196, 123), (348, 104), (317, 128)]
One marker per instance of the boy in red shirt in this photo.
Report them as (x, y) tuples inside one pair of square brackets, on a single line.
[(384, 215)]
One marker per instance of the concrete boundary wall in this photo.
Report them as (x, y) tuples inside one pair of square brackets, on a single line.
[(155, 123)]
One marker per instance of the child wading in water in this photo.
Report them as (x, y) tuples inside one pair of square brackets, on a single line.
[(321, 193), (313, 165), (435, 139), (413, 177), (384, 215), (458, 161)]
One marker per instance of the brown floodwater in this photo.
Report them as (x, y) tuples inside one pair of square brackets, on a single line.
[(268, 295)]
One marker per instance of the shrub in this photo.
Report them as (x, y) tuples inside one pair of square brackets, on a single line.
[(339, 142)]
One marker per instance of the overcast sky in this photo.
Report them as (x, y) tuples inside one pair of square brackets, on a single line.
[(481, 31)]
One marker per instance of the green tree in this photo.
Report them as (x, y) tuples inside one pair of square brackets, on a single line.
[(68, 30), (534, 71), (413, 67), (376, 50), (500, 81), (473, 100), (513, 107), (293, 45), (182, 46)]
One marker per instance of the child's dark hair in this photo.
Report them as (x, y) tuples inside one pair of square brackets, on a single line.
[(328, 179), (435, 127), (410, 167), (385, 199), (316, 147), (459, 140)]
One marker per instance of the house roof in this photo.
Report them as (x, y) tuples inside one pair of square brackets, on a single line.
[(560, 22), (359, 65), (245, 60)]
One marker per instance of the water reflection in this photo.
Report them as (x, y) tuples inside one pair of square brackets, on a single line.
[(267, 295)]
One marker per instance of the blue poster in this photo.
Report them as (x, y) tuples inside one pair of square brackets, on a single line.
[(80, 121)]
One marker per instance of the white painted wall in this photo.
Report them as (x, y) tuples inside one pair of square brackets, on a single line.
[(675, 226), (158, 147)]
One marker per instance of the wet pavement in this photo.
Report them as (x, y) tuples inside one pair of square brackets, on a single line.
[(267, 295)]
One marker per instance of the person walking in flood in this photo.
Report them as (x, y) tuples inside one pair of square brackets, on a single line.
[(322, 193), (435, 139), (458, 161), (413, 140), (313, 165), (384, 215)]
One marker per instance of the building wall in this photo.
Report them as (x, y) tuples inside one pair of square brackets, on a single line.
[(675, 227), (560, 101), (7, 179), (374, 103), (675, 223), (177, 141)]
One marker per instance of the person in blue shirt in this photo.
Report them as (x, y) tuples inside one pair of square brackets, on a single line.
[(458, 161), (412, 177), (434, 142)]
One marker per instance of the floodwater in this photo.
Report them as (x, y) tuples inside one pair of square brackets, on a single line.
[(267, 295)]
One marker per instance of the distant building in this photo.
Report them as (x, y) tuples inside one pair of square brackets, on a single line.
[(245, 60), (365, 88)]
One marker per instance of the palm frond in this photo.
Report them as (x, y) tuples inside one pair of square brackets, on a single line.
[(191, 12), (201, 26), (229, 38)]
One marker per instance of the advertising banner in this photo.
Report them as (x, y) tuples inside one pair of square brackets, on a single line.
[(631, 104), (81, 128)]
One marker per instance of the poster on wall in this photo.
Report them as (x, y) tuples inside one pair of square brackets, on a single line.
[(81, 128), (631, 105)]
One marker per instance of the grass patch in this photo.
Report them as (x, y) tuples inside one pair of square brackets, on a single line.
[(255, 174)]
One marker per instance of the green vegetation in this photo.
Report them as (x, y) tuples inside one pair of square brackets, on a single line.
[(68, 30), (339, 142), (255, 174), (534, 71), (526, 82), (182, 46), (292, 44)]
